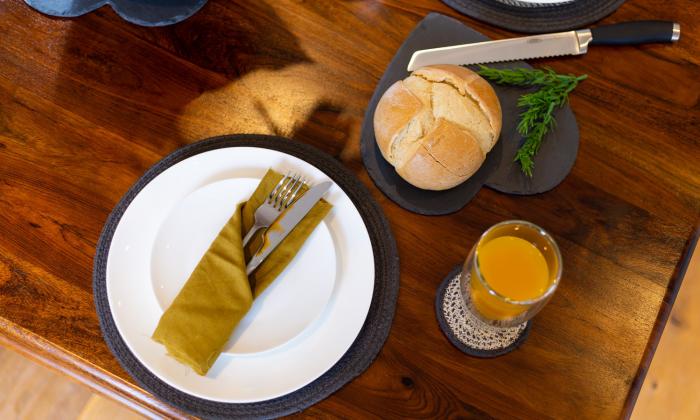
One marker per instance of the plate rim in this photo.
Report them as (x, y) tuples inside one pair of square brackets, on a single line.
[(556, 17), (337, 313), (227, 351), (362, 351)]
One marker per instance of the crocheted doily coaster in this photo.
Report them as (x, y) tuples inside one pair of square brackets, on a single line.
[(467, 332)]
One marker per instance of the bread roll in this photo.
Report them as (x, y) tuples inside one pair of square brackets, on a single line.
[(437, 125)]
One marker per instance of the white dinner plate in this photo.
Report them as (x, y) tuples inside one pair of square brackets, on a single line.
[(295, 331)]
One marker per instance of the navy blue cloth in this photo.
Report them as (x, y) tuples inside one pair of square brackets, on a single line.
[(139, 12)]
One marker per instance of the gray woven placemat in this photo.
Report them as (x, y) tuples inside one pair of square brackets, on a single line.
[(467, 332), (362, 352), (537, 19)]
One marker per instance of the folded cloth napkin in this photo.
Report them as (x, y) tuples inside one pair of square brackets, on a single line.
[(218, 294)]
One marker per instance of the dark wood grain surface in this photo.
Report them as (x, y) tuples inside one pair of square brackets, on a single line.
[(88, 104)]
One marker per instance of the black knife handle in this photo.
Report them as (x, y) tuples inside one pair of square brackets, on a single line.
[(639, 32)]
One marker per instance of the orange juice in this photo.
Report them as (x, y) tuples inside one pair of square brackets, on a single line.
[(515, 269)]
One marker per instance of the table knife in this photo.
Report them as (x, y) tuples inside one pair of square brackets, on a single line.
[(549, 45), (286, 222)]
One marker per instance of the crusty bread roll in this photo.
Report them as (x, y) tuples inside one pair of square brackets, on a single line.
[(437, 125)]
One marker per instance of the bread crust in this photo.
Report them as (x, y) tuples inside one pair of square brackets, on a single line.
[(471, 83), (435, 165), (394, 111), (436, 126)]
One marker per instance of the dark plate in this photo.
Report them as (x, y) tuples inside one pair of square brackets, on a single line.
[(553, 162), (139, 12), (536, 18)]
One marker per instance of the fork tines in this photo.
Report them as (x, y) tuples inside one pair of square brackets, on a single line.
[(284, 193)]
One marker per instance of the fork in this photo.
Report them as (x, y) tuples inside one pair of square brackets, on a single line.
[(279, 199)]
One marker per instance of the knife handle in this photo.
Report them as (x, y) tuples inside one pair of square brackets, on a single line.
[(638, 32)]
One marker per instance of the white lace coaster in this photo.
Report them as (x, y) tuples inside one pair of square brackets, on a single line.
[(461, 325)]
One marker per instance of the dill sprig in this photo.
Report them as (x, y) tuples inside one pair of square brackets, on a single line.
[(538, 117)]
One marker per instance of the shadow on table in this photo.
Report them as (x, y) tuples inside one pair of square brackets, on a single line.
[(214, 73), (327, 128)]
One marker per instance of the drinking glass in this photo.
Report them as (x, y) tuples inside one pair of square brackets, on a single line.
[(499, 309)]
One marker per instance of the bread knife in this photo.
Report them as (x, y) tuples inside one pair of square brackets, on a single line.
[(286, 222), (549, 45)]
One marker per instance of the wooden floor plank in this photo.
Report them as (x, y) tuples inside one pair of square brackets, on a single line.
[(99, 407), (32, 392), (673, 382)]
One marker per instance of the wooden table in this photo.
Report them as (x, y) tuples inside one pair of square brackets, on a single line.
[(88, 104)]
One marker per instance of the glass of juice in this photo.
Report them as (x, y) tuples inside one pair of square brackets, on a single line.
[(511, 273)]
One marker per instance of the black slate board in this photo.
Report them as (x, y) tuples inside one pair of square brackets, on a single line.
[(553, 162), (139, 12), (364, 349)]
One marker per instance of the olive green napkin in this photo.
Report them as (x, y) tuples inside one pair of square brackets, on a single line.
[(218, 294)]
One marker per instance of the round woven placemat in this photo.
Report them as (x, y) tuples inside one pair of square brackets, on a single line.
[(537, 18), (467, 332), (362, 352)]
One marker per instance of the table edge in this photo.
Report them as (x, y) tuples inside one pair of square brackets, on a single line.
[(63, 361), (42, 351), (672, 290)]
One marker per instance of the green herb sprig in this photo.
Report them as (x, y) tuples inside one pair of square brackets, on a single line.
[(538, 118)]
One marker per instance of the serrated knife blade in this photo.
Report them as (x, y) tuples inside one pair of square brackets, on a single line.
[(537, 46), (549, 45), (286, 222)]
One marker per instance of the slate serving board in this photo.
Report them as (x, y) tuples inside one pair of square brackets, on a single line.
[(553, 162)]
